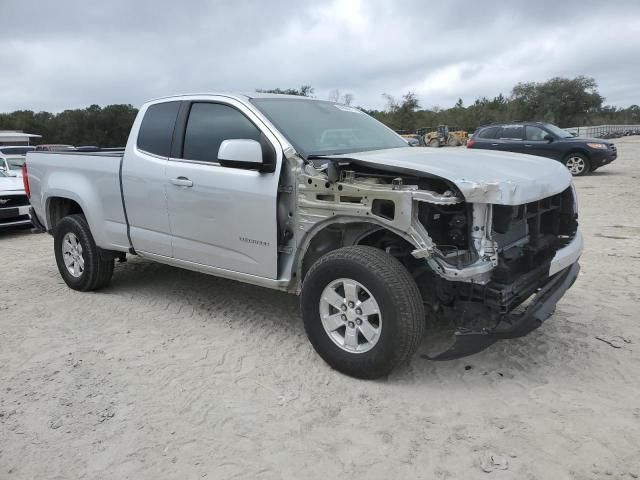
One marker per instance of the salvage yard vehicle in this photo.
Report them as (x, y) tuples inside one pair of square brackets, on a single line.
[(14, 204), (316, 198), (54, 147), (413, 140), (579, 154), (16, 149), (12, 165)]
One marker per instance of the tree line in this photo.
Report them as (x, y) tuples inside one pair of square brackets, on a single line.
[(567, 102), (94, 125)]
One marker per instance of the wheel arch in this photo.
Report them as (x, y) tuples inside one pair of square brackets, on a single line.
[(74, 194), (580, 150), (58, 207), (339, 232)]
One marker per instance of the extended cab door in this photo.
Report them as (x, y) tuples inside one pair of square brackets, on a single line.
[(222, 216), (144, 178)]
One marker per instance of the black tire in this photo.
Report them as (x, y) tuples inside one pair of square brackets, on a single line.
[(97, 269), (434, 143), (396, 293), (577, 156), (453, 142)]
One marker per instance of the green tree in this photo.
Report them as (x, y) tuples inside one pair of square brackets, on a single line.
[(94, 125), (563, 101), (401, 115)]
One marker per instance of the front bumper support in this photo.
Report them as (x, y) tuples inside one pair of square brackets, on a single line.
[(515, 325)]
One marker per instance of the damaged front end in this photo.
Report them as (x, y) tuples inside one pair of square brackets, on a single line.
[(485, 271), (534, 247)]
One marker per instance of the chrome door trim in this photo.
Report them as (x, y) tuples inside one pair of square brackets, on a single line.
[(199, 162)]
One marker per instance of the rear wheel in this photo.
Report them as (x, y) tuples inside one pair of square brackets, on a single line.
[(362, 311), (454, 141), (79, 261), (577, 164)]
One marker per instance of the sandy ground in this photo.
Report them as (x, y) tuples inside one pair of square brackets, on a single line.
[(169, 374)]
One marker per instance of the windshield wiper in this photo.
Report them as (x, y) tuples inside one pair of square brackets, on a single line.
[(322, 157)]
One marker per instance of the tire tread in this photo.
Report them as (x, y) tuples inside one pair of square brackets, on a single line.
[(98, 269), (402, 287)]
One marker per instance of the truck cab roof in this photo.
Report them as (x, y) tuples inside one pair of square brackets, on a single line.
[(242, 96)]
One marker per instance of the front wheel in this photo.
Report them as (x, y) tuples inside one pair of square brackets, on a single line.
[(80, 263), (434, 142), (362, 311), (577, 164)]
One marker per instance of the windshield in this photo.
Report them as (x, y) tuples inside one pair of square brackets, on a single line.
[(557, 131), (316, 127), (15, 163)]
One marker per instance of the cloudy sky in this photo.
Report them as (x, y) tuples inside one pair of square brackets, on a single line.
[(67, 54)]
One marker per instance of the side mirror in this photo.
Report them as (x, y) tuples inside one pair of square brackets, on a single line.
[(548, 137), (240, 153)]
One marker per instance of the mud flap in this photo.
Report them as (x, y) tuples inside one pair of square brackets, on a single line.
[(37, 226)]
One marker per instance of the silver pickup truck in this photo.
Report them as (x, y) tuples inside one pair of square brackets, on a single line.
[(381, 240)]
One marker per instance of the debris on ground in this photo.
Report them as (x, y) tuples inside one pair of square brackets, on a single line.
[(616, 341), (55, 424), (105, 415), (491, 462)]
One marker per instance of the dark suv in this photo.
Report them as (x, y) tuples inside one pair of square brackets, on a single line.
[(580, 155)]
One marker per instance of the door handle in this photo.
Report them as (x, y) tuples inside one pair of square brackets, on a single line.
[(528, 145), (495, 144), (181, 182)]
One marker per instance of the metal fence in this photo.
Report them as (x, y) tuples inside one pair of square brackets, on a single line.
[(605, 130)]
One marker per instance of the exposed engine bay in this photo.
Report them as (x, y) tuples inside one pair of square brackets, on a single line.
[(473, 262)]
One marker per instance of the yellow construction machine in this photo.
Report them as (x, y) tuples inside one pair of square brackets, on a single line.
[(443, 135)]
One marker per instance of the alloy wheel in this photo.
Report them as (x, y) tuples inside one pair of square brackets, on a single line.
[(576, 165), (350, 315), (72, 254)]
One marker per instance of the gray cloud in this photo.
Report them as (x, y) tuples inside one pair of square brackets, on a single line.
[(68, 54)]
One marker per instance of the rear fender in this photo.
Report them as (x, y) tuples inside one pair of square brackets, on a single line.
[(77, 187)]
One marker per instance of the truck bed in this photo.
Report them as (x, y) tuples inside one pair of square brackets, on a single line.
[(92, 180)]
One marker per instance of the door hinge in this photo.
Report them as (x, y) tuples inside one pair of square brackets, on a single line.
[(283, 249), (285, 189)]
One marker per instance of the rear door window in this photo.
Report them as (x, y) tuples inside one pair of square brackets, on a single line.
[(512, 132), (489, 132), (156, 129), (209, 125)]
